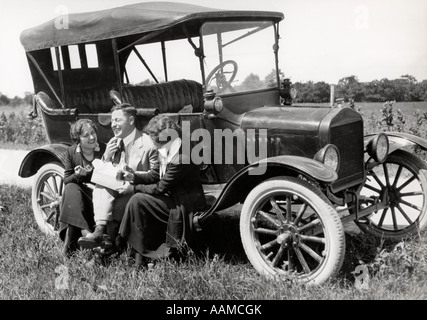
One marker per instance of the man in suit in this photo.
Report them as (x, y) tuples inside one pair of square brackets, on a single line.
[(128, 146)]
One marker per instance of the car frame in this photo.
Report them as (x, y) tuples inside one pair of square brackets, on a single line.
[(319, 171)]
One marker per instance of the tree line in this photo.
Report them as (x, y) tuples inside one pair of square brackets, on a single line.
[(16, 101), (404, 89)]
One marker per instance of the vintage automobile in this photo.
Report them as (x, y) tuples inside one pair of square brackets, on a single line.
[(306, 170)]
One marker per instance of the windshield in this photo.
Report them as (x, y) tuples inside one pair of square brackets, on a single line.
[(239, 56), (145, 64)]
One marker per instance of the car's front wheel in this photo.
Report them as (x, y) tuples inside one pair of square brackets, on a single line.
[(46, 197), (288, 227), (400, 183)]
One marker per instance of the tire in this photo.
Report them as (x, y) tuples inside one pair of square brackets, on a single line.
[(400, 182), (308, 243), (46, 197)]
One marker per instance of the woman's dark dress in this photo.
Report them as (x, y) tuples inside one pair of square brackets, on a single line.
[(161, 211), (76, 206)]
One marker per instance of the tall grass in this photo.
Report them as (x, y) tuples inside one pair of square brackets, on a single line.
[(31, 267), (17, 131)]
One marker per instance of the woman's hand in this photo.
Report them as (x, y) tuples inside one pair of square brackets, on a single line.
[(128, 176), (125, 174), (125, 189), (80, 171)]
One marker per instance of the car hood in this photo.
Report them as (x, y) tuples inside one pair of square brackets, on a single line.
[(290, 119)]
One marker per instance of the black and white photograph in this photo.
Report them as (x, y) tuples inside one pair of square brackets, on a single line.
[(210, 158)]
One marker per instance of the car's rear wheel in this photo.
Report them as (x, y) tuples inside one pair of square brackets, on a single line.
[(400, 183), (46, 197), (288, 227)]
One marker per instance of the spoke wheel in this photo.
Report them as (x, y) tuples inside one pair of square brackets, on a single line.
[(288, 227), (400, 182), (46, 197)]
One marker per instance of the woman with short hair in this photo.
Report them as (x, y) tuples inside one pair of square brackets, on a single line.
[(160, 212), (76, 218)]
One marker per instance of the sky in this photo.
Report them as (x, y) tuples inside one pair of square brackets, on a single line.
[(321, 40)]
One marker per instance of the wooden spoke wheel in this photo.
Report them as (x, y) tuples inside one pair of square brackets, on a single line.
[(401, 184), (288, 227), (46, 197)]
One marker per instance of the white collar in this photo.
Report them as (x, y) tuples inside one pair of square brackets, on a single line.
[(129, 138), (170, 150)]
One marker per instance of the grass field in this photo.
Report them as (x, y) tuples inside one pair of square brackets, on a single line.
[(32, 267), (7, 110), (376, 106), (17, 131)]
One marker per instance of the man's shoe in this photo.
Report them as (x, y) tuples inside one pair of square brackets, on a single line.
[(93, 240)]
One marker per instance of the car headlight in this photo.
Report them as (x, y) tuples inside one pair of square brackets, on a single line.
[(218, 105), (330, 156), (213, 104), (378, 147), (287, 92)]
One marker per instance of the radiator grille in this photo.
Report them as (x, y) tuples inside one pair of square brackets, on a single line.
[(348, 138)]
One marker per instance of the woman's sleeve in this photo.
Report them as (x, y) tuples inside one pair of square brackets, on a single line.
[(69, 174), (175, 173), (149, 177)]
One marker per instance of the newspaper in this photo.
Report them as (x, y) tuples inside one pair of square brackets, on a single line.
[(104, 174)]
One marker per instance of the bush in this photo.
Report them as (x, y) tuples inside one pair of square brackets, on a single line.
[(392, 119), (20, 130)]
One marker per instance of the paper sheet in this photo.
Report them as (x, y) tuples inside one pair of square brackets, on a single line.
[(104, 174)]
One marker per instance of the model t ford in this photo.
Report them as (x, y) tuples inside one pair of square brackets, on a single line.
[(300, 172)]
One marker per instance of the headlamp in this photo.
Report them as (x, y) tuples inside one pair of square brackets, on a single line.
[(378, 147), (330, 156)]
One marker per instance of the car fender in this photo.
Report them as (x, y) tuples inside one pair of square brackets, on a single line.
[(36, 158), (239, 186), (313, 168), (399, 140)]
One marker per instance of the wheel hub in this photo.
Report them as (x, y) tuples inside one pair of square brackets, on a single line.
[(288, 236), (55, 203), (391, 196)]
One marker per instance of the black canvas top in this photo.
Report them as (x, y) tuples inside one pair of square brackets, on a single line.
[(141, 18)]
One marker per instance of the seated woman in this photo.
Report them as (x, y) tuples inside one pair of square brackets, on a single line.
[(161, 209), (76, 217)]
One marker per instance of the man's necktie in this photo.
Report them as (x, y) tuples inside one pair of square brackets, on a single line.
[(118, 154)]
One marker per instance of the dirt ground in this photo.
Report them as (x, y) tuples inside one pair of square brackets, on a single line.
[(10, 161)]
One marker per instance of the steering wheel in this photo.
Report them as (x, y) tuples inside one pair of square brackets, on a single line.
[(220, 78)]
